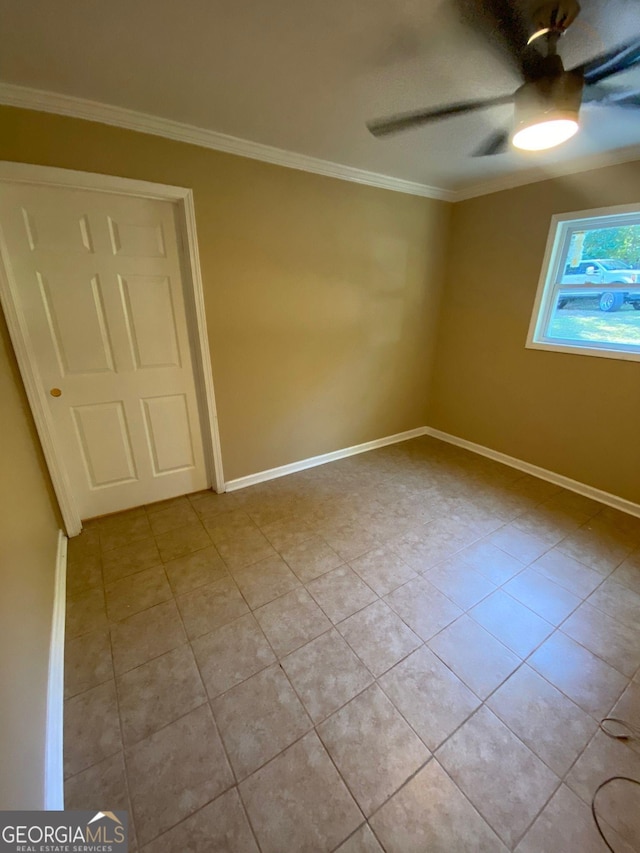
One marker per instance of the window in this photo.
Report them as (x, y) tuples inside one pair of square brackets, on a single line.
[(588, 298)]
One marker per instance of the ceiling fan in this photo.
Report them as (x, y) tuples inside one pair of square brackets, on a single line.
[(548, 102)]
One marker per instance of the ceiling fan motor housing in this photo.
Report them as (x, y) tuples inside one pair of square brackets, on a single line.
[(548, 98)]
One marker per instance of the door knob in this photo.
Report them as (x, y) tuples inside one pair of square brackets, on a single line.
[(55, 392)]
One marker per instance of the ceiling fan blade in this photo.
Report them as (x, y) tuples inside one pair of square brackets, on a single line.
[(497, 143), (612, 62), (604, 97), (404, 121), (504, 25)]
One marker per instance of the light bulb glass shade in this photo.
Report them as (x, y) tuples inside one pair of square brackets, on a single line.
[(544, 134)]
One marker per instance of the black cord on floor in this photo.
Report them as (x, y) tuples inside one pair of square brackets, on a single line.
[(629, 732), (593, 803)]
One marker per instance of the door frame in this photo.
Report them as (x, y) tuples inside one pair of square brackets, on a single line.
[(182, 198)]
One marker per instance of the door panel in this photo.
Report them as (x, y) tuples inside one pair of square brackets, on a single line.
[(75, 316), (151, 321), (136, 240), (100, 283), (169, 433), (106, 446), (55, 231)]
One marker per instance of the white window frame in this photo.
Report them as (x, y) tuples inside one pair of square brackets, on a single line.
[(555, 258)]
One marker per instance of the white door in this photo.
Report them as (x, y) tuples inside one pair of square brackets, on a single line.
[(98, 278)]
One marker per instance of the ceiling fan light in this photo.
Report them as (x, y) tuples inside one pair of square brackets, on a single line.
[(546, 133), (547, 110)]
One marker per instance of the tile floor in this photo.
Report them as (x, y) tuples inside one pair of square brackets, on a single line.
[(407, 650)]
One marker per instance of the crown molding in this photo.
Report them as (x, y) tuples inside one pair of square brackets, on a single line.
[(67, 105), (551, 172)]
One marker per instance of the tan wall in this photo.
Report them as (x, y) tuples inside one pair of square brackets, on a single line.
[(28, 539), (574, 414), (321, 296)]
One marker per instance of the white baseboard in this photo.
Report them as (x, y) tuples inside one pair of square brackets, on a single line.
[(54, 774), (544, 474), (312, 461)]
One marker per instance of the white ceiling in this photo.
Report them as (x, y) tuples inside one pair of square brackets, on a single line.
[(305, 75)]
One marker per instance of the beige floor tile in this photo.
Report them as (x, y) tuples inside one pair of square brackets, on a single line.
[(287, 532), (129, 559), (566, 824), (431, 814), (596, 547), (104, 783), (550, 523), (519, 628), (382, 570), (379, 637), (258, 719), (362, 841), (311, 558), (392, 512), (274, 509), (244, 549), (85, 613), (427, 546), (229, 525), (87, 662), (457, 580), (210, 503), (91, 728), (219, 826), (172, 517), (628, 573), (492, 562), (348, 540), (614, 642), (424, 608), (175, 771), (615, 518), (567, 572), (211, 607), (617, 601), (157, 693), (84, 573), (551, 725), (341, 593), (543, 596), (326, 674), (627, 708), (573, 502), (85, 543), (136, 593), (523, 546), (123, 529), (430, 697), (618, 803), (373, 747), (503, 779), (195, 570), (299, 802), (291, 621), (146, 635), (167, 503), (182, 541), (231, 654), (588, 681), (265, 580), (474, 655)]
